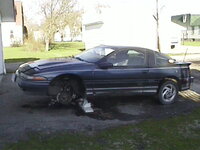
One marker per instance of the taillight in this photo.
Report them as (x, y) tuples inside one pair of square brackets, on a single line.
[(186, 72), (186, 77)]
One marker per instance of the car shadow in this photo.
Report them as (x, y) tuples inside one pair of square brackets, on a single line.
[(195, 73), (137, 108), (121, 108), (45, 104), (118, 108)]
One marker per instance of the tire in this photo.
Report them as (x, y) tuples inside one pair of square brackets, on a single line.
[(168, 92)]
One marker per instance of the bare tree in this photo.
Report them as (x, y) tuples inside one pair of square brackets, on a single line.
[(73, 21), (75, 25), (57, 15)]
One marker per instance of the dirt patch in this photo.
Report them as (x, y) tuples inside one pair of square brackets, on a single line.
[(124, 109)]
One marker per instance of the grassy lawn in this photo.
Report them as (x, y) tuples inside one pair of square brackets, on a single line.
[(20, 54), (177, 133), (189, 43)]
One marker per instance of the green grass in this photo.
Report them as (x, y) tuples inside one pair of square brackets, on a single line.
[(177, 133), (20, 54), (191, 43)]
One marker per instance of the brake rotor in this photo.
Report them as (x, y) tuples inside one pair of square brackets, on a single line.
[(66, 95)]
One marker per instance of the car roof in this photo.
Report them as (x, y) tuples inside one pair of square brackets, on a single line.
[(124, 47)]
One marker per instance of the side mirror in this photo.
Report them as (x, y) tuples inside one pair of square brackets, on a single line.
[(105, 65), (172, 61)]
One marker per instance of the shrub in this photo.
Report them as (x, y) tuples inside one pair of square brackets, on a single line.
[(16, 43), (34, 45)]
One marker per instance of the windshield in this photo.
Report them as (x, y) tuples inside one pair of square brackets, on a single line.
[(94, 54)]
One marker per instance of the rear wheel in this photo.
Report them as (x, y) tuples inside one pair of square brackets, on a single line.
[(168, 92)]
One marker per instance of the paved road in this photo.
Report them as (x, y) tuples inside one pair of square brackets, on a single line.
[(21, 115), (188, 57), (185, 49)]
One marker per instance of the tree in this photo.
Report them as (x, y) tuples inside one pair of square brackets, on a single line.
[(30, 25), (73, 21), (75, 25), (57, 15)]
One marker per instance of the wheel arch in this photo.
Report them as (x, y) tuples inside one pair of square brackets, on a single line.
[(67, 77), (169, 78)]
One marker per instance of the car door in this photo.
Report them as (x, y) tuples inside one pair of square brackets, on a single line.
[(127, 76)]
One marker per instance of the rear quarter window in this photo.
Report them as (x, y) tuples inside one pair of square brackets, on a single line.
[(162, 60)]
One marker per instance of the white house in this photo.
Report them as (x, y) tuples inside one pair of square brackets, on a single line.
[(13, 32), (58, 37), (7, 14), (66, 36), (127, 22)]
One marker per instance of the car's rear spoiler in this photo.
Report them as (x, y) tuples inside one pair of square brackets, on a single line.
[(183, 63)]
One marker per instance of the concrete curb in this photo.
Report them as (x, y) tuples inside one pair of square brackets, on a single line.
[(12, 67)]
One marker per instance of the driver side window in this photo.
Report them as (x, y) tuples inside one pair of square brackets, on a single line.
[(118, 59), (127, 58)]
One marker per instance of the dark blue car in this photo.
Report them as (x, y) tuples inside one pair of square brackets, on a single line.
[(106, 70)]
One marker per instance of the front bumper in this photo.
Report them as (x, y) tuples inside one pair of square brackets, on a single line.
[(30, 85)]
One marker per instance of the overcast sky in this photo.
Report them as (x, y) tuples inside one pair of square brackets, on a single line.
[(171, 7)]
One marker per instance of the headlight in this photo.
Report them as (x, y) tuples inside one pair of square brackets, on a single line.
[(35, 78), (23, 65)]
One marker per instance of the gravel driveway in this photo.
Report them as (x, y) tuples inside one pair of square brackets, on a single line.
[(22, 115)]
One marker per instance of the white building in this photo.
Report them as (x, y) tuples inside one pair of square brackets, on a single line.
[(13, 32), (66, 36), (7, 14), (129, 23), (58, 37)]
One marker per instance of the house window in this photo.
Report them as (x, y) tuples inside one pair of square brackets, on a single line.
[(184, 18), (199, 30), (193, 30), (11, 34)]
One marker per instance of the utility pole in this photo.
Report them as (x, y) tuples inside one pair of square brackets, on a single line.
[(157, 18)]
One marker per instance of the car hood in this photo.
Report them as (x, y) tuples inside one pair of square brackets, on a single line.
[(56, 62)]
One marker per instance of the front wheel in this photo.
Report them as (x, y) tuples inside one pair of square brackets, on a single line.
[(66, 94), (168, 92), (65, 91)]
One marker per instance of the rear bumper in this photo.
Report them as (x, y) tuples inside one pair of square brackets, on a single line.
[(191, 80)]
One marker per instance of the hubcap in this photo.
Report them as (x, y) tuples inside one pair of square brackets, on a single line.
[(168, 92)]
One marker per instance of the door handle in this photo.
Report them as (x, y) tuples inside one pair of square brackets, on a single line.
[(145, 71)]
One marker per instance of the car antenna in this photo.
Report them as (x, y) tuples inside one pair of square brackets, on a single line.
[(185, 54)]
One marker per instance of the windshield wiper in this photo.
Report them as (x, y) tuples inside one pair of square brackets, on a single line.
[(79, 58)]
